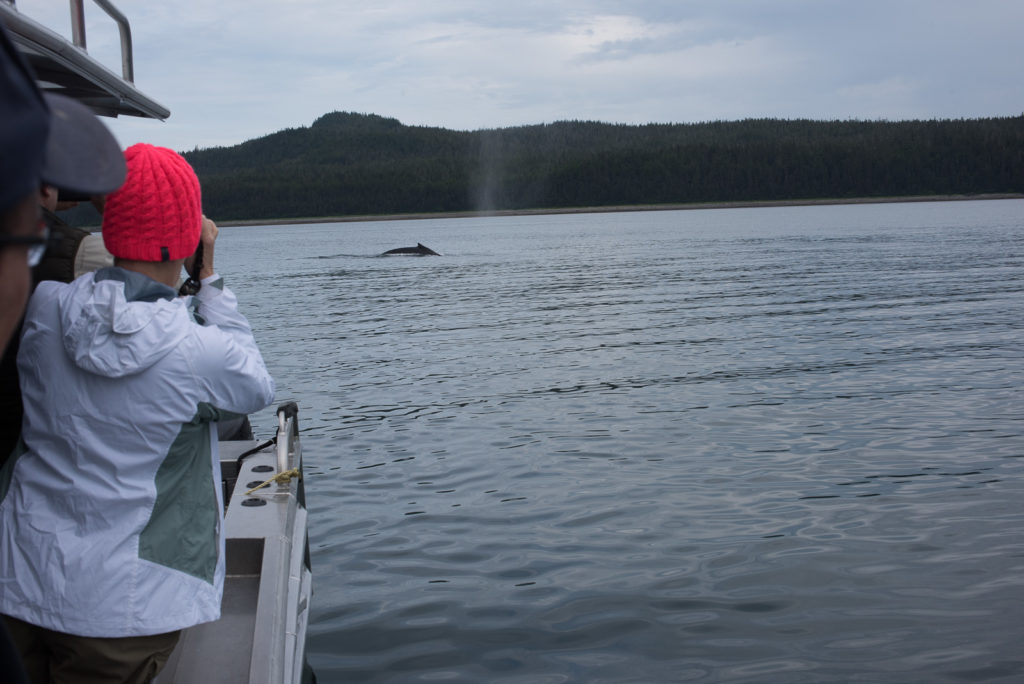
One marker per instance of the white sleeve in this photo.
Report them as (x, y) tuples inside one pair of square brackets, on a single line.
[(229, 365)]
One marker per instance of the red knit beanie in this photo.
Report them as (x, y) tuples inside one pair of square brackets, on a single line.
[(157, 214)]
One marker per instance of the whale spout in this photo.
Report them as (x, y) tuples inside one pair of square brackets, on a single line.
[(419, 250)]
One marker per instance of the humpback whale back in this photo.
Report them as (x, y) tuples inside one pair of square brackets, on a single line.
[(419, 250)]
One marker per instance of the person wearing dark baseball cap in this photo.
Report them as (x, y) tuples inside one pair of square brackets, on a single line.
[(44, 140), (51, 140)]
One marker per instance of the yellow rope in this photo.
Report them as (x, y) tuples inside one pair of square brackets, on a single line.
[(283, 477)]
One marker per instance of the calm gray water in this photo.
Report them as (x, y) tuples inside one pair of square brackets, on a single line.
[(751, 445)]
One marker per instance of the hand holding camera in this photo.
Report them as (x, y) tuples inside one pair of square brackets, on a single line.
[(200, 264)]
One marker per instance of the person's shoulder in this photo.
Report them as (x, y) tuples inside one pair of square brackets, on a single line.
[(92, 255), (49, 289), (44, 304), (49, 292)]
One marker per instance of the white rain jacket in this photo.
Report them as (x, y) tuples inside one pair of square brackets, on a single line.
[(111, 506)]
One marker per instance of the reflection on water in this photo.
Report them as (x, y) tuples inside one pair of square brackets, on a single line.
[(733, 445)]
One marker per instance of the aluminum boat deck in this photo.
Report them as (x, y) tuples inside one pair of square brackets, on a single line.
[(261, 634)]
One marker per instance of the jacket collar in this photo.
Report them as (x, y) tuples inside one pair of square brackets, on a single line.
[(137, 287)]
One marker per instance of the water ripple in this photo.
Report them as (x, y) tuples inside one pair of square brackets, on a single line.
[(703, 446)]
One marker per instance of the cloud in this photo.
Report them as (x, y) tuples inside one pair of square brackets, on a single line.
[(232, 70)]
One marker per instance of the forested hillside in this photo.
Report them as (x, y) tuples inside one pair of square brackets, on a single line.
[(356, 164)]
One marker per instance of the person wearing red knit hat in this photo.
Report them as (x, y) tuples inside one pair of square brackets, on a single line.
[(111, 505), (156, 219), (157, 214)]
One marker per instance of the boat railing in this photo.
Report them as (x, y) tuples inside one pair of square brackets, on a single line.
[(65, 66), (287, 434), (123, 27)]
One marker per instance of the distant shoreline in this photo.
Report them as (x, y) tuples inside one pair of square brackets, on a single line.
[(625, 208)]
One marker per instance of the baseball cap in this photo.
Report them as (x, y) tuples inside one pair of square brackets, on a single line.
[(52, 139), (82, 157)]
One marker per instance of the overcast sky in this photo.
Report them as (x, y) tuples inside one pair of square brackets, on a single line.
[(233, 70)]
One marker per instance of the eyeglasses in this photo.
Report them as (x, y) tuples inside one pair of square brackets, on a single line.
[(36, 243)]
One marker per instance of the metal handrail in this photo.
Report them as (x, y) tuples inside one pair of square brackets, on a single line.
[(287, 433), (124, 29), (65, 67)]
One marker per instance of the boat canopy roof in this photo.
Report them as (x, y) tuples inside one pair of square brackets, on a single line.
[(64, 67)]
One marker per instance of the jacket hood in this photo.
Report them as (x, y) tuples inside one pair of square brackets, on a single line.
[(117, 322)]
